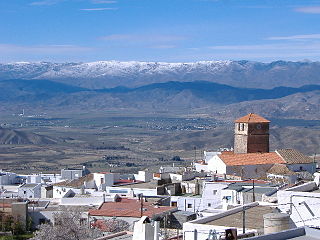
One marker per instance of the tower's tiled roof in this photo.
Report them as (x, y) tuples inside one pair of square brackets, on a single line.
[(252, 118)]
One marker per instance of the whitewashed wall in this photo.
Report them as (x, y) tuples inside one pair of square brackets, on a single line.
[(303, 207)]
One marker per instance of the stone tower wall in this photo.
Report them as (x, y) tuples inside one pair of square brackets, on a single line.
[(251, 137), (240, 137)]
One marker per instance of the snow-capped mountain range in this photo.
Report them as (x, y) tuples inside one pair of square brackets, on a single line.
[(106, 74)]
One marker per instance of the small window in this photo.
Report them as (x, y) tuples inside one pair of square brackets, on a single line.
[(209, 204), (301, 168), (215, 192), (242, 127), (83, 221), (189, 205), (42, 221), (173, 204), (24, 192)]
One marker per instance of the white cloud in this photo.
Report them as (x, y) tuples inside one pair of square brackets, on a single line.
[(295, 46), (310, 10), (296, 37), (45, 2), (98, 9), (143, 37), (53, 2)]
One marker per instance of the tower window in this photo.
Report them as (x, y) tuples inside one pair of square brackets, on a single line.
[(242, 127)]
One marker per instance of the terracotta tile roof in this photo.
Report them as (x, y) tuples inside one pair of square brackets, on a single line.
[(252, 118), (292, 156), (5, 205), (227, 152), (76, 182), (129, 208), (280, 169), (240, 159)]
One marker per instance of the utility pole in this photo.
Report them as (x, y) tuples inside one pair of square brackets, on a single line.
[(165, 227), (141, 204), (253, 193), (243, 220)]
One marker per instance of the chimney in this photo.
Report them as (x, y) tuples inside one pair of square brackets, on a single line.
[(275, 222), (144, 229)]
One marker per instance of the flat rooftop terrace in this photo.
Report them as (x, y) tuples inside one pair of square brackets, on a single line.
[(253, 216)]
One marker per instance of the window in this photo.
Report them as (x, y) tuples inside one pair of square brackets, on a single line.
[(215, 192), (24, 192), (189, 205), (240, 126), (42, 221), (83, 221), (102, 181), (301, 168), (173, 204), (227, 198), (209, 204)]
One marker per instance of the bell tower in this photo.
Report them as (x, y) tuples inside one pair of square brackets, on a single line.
[(251, 134)]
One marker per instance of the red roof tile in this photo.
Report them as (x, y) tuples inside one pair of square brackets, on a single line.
[(5, 205), (128, 208), (239, 159), (252, 118)]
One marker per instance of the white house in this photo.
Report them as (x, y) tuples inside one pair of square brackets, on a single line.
[(246, 165), (302, 203), (296, 161), (8, 178), (30, 190), (280, 173), (105, 179), (144, 176), (210, 198)]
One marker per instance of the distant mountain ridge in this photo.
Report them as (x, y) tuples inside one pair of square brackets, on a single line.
[(29, 90), (108, 74), (200, 96)]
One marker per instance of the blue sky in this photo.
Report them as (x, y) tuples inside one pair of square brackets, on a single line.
[(159, 30)]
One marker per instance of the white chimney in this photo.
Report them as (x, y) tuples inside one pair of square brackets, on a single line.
[(144, 229)]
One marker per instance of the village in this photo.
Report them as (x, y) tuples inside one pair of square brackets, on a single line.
[(246, 192)]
